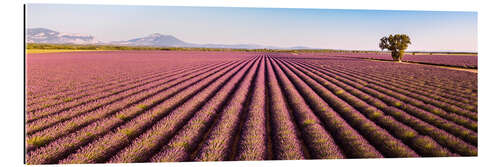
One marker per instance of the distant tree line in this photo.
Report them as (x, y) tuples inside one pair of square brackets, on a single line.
[(118, 47)]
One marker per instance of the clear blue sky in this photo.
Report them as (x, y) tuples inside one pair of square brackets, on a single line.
[(317, 28)]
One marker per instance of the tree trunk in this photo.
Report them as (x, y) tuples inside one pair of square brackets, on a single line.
[(397, 55), (401, 53)]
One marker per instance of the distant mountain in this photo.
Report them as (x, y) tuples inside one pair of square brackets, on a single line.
[(236, 46), (43, 35), (155, 39), (300, 47), (161, 40)]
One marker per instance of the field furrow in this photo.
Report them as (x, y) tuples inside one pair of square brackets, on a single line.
[(384, 101), (318, 140), (286, 135), (464, 101), (419, 100), (391, 147), (64, 146), (72, 103), (149, 127), (142, 90), (407, 80), (397, 129), (175, 106), (402, 101), (63, 128), (216, 146), (252, 144), (107, 88)]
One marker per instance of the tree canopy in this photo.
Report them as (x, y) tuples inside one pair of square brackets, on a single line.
[(396, 44)]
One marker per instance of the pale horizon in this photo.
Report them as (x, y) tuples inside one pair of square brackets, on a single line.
[(279, 27)]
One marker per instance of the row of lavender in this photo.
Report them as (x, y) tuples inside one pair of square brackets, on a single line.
[(51, 73), (466, 61), (78, 127), (423, 113), (254, 107)]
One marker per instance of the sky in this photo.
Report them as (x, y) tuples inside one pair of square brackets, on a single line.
[(279, 27)]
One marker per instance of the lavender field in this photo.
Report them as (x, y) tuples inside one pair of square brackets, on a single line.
[(162, 106), (463, 61)]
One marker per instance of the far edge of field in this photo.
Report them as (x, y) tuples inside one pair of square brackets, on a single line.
[(33, 51)]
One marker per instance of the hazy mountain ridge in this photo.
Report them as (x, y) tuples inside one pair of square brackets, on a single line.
[(43, 35), (155, 39)]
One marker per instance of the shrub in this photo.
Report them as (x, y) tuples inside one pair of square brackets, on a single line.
[(38, 141), (142, 106)]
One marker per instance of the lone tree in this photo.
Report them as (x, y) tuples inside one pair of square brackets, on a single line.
[(397, 44)]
